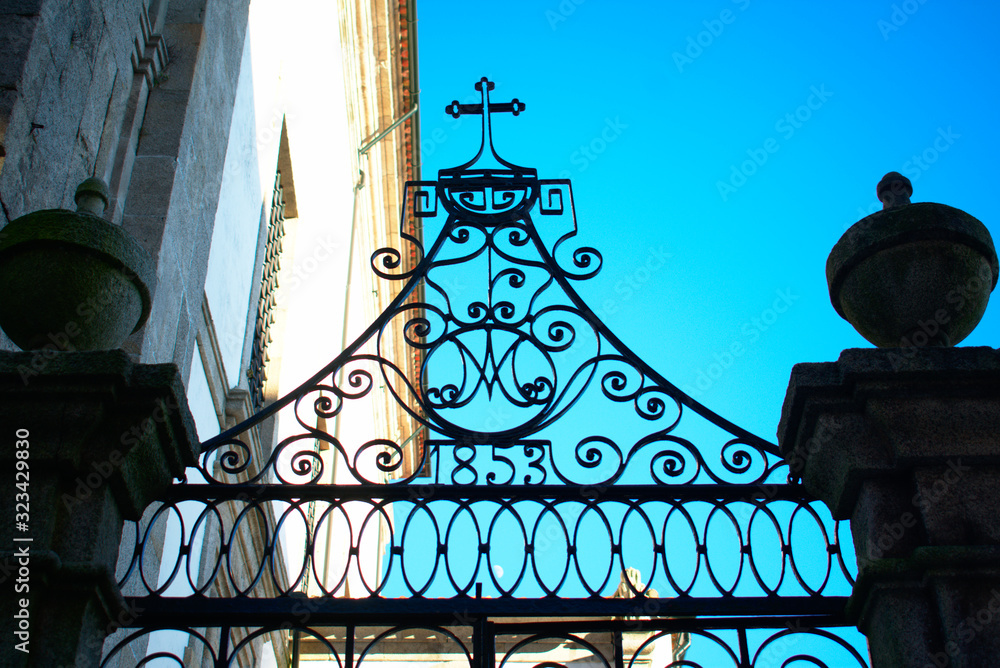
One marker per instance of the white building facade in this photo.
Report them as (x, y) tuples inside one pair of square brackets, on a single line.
[(230, 135)]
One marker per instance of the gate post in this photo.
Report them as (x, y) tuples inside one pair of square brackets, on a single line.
[(906, 444), (103, 438)]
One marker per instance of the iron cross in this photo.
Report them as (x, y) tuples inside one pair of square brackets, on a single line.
[(455, 109)]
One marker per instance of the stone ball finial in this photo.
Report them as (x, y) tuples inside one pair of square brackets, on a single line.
[(92, 196), (912, 275), (70, 280), (894, 190)]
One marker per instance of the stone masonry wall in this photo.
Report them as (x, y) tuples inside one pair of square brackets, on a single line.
[(140, 94), (61, 64), (175, 183)]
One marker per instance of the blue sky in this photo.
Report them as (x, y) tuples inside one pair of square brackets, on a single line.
[(718, 150)]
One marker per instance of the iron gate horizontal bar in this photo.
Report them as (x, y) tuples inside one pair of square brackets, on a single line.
[(414, 491), (166, 612)]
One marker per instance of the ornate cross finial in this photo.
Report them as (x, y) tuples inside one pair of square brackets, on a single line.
[(486, 163), (515, 106)]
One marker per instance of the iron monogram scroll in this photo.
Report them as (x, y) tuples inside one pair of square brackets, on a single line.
[(540, 459), (492, 353)]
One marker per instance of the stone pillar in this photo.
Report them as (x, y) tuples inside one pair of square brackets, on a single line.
[(906, 444), (104, 437)]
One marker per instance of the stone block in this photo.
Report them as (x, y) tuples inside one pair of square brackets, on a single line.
[(186, 11), (8, 98), (938, 607), (61, 20), (183, 42), (184, 337), (97, 104), (159, 334), (889, 622), (970, 615), (56, 122), (149, 193), (878, 410), (111, 127), (907, 445), (37, 63), (957, 502), (11, 192), (163, 124), (106, 438), (20, 7)]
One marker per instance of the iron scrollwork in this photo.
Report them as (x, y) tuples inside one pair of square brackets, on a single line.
[(505, 349), (551, 458)]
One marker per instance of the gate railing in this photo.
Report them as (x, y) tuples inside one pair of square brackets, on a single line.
[(557, 471)]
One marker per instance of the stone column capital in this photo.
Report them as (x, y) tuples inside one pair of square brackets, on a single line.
[(906, 444), (98, 439), (884, 412), (101, 417)]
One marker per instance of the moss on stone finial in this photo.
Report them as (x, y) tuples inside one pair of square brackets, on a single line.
[(71, 280)]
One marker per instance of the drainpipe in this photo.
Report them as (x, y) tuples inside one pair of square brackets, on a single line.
[(367, 146)]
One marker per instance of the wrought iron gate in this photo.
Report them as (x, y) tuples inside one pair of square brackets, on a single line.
[(562, 501)]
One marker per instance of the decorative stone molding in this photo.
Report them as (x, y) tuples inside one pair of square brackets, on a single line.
[(907, 445), (105, 438), (150, 56)]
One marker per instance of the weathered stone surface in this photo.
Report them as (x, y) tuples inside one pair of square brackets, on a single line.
[(149, 193), (59, 83), (8, 98), (185, 39), (65, 119), (906, 444), (56, 119), (106, 437), (914, 275), (20, 7), (92, 121), (937, 607), (206, 54), (163, 125), (72, 281)]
